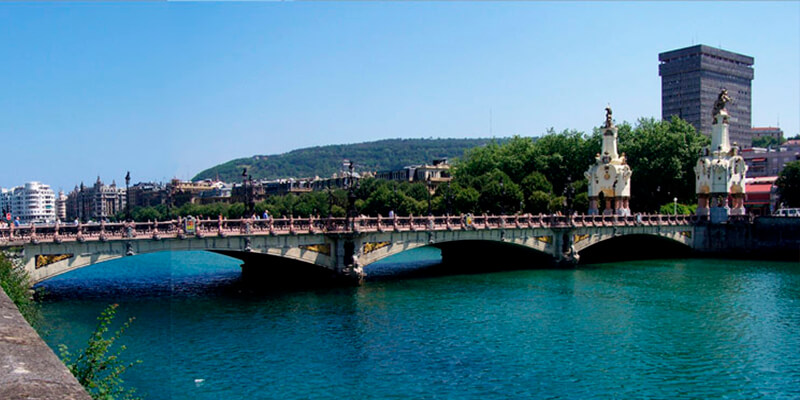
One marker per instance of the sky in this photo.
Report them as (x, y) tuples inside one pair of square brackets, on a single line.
[(165, 90)]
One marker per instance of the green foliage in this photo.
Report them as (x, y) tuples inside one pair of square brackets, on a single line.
[(96, 367), (538, 203), (16, 283), (662, 155), (683, 209), (788, 184), (514, 175), (767, 141), (326, 160)]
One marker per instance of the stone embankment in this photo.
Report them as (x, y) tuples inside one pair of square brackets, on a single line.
[(28, 367)]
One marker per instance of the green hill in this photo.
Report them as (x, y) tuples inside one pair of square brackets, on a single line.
[(323, 161)]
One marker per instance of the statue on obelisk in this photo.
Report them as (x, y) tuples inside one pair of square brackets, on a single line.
[(610, 176), (720, 171)]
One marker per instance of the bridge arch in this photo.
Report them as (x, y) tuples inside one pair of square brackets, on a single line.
[(46, 260), (464, 247), (635, 246)]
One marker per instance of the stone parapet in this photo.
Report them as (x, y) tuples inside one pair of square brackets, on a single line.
[(28, 367)]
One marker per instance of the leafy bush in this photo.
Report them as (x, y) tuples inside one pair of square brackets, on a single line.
[(16, 284), (96, 367)]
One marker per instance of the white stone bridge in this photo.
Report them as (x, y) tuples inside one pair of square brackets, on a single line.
[(339, 247)]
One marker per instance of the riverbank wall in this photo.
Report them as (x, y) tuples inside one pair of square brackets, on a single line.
[(766, 238), (28, 367)]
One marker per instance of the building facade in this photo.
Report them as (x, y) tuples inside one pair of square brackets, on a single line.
[(33, 202), (692, 77), (768, 131), (61, 206), (770, 162), (97, 202)]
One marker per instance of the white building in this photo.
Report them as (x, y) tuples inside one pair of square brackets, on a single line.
[(61, 206), (33, 202)]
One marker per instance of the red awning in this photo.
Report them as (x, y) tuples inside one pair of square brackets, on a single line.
[(758, 187), (758, 160)]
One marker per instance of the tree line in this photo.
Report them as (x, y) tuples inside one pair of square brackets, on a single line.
[(523, 174)]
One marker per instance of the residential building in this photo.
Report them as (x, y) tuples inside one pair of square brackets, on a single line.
[(33, 202), (61, 206), (691, 79), (97, 202), (761, 195), (764, 162), (147, 194), (182, 192), (773, 132), (432, 174)]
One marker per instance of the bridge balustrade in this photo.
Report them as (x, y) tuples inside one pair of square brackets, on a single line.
[(282, 226)]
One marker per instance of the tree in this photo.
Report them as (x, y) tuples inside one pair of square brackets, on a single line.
[(16, 283), (767, 141), (96, 368), (788, 184), (662, 155)]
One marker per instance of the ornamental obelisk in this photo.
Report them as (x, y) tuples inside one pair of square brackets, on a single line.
[(720, 171), (610, 176)]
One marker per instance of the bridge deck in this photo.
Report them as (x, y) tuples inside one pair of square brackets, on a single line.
[(58, 233)]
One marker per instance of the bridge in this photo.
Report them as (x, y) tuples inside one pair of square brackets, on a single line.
[(339, 248)]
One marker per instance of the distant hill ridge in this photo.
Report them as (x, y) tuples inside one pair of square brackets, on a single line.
[(323, 161)]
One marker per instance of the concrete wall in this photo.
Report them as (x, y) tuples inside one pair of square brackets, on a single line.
[(765, 238), (28, 368)]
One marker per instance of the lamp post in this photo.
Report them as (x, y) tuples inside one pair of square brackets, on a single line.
[(330, 202), (394, 198), (245, 200), (251, 196), (502, 198), (351, 195), (429, 195), (127, 196), (675, 203), (82, 210), (448, 199), (570, 195)]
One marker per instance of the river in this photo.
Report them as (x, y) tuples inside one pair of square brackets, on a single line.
[(660, 329)]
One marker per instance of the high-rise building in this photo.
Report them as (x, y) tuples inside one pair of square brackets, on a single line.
[(691, 79), (33, 202)]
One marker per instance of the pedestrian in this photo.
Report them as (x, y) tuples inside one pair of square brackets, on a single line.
[(16, 221)]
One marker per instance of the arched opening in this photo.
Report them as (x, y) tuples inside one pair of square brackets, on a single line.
[(634, 247), (148, 274), (264, 271), (475, 256)]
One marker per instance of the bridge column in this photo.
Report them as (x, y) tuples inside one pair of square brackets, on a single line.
[(348, 250), (563, 247)]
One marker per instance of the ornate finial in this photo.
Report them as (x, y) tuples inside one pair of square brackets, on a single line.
[(609, 122), (722, 100)]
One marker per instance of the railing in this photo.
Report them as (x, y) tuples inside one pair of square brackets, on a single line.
[(157, 230)]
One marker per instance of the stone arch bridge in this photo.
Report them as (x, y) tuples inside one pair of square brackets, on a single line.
[(335, 247)]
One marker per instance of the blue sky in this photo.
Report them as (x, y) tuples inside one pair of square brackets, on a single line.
[(168, 89)]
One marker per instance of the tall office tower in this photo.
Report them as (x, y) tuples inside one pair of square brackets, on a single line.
[(691, 79)]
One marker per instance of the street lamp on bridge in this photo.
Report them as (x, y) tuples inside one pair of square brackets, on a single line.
[(127, 196), (429, 195)]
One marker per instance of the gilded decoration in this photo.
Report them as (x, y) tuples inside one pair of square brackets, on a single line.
[(43, 260), (369, 247), (545, 239), (580, 238), (317, 248)]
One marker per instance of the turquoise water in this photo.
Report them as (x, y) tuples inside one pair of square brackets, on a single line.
[(648, 329)]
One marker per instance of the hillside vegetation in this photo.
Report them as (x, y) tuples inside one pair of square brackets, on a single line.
[(323, 161)]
